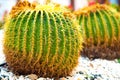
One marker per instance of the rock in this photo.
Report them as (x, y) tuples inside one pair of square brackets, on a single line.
[(33, 77)]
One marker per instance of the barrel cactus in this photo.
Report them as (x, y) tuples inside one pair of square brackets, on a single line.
[(101, 32), (42, 40)]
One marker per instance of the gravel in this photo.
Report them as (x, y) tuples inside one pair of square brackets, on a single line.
[(97, 69), (2, 57)]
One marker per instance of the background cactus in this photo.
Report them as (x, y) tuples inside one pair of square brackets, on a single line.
[(101, 31), (41, 39)]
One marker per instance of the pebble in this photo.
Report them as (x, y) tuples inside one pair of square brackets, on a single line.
[(33, 76), (97, 69)]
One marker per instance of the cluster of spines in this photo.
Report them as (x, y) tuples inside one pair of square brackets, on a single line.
[(22, 6)]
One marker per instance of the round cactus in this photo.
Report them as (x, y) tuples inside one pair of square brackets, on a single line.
[(101, 32), (42, 40)]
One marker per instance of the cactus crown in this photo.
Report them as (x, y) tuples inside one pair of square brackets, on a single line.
[(26, 6), (88, 10)]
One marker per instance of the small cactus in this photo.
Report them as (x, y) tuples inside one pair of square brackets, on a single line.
[(101, 32), (42, 40)]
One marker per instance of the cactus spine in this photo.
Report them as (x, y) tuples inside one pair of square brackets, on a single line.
[(41, 39), (101, 31)]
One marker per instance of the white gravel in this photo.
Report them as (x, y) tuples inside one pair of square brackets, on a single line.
[(97, 69), (2, 57)]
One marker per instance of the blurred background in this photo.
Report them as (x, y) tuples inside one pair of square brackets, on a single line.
[(6, 5)]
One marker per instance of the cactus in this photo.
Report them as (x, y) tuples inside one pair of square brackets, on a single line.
[(42, 40), (101, 32)]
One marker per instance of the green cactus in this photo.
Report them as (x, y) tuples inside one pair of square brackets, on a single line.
[(41, 39), (101, 32)]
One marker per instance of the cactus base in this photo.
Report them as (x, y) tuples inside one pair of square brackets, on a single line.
[(102, 51), (18, 66)]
